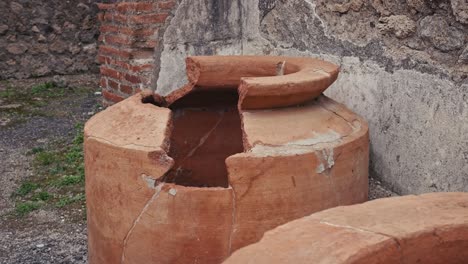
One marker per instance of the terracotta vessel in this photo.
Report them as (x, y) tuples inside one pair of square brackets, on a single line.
[(431, 229), (247, 145)]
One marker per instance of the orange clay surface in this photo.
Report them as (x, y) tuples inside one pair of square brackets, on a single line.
[(194, 177), (430, 228), (262, 81)]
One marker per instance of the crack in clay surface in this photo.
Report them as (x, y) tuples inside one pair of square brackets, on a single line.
[(233, 221), (205, 137), (157, 191), (351, 228), (201, 142), (353, 124), (397, 242), (252, 179)]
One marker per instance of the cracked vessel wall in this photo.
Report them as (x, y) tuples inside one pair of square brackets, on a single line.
[(241, 149)]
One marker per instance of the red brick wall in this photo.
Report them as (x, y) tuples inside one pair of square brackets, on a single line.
[(129, 35)]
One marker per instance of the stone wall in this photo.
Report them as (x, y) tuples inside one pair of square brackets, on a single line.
[(404, 67), (46, 37)]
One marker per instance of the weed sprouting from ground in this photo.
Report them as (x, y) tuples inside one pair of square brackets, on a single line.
[(70, 199), (41, 196), (26, 188), (68, 180), (23, 208), (43, 88), (48, 90), (45, 158), (60, 167)]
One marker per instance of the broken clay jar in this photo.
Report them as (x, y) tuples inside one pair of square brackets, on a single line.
[(247, 145)]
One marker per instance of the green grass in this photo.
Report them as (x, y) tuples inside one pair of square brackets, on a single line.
[(45, 158), (47, 89), (59, 180), (30, 99), (41, 196), (44, 99), (69, 200), (42, 88), (24, 208), (68, 180), (58, 167), (26, 188), (36, 150), (8, 93)]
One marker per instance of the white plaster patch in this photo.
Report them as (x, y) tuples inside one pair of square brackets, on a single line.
[(320, 168), (329, 137), (173, 192), (327, 160), (149, 181), (265, 151)]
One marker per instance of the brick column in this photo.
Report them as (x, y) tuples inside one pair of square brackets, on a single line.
[(129, 35)]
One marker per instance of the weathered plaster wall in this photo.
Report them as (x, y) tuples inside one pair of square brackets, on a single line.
[(404, 68), (46, 37)]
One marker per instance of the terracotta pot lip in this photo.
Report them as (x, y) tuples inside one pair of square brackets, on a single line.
[(136, 103), (257, 79), (250, 151)]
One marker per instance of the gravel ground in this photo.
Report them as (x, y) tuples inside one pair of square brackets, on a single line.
[(41, 244), (50, 235), (376, 190), (58, 235)]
